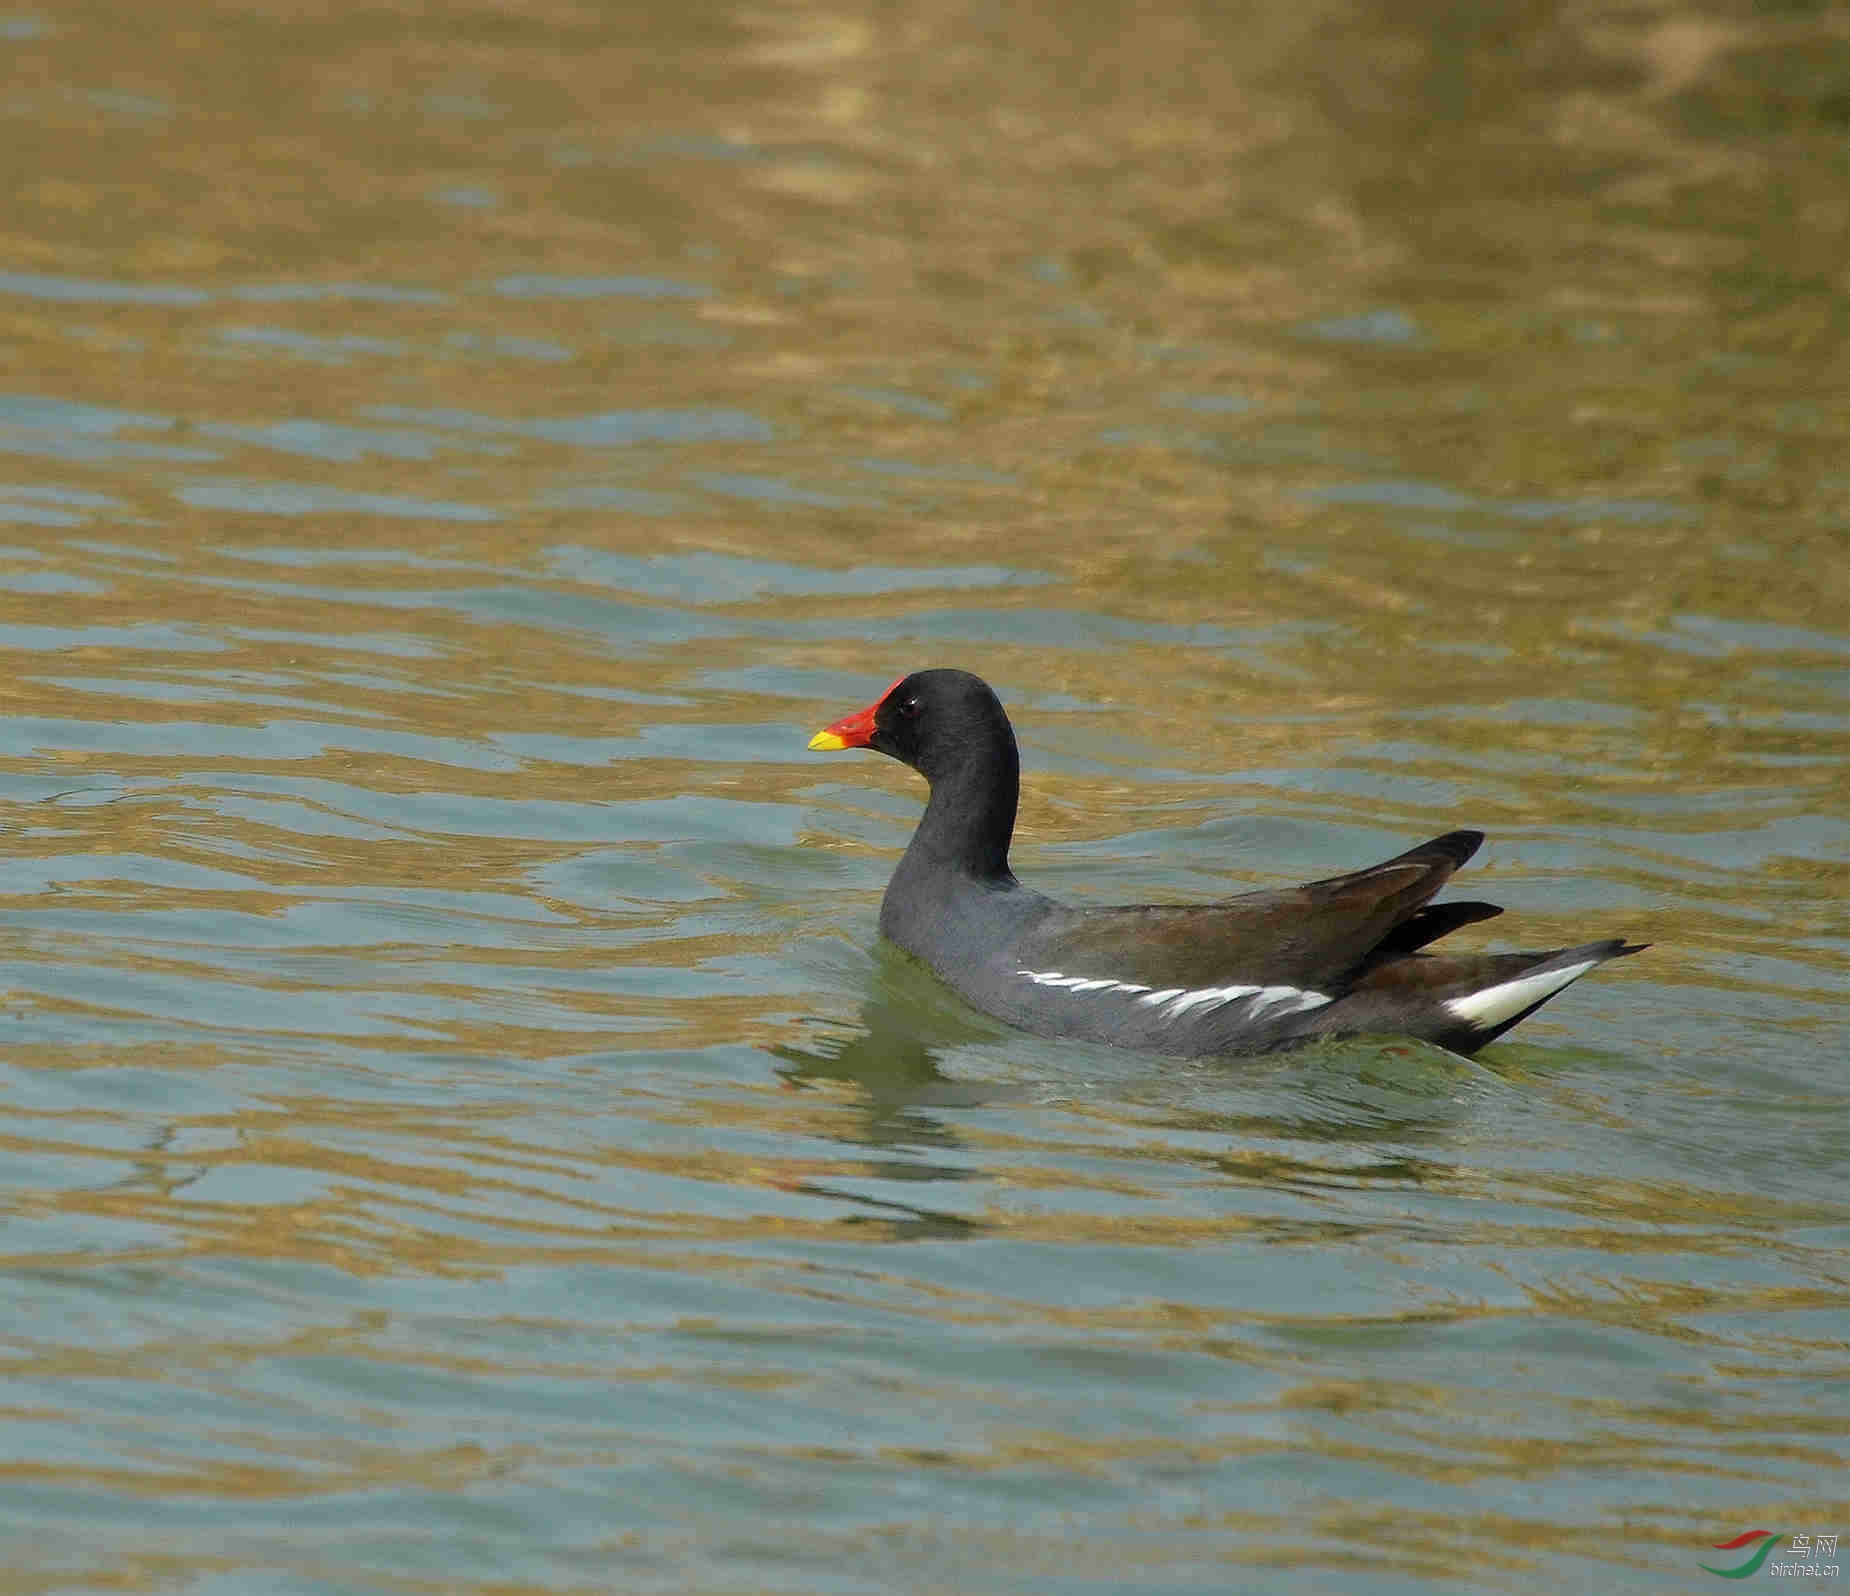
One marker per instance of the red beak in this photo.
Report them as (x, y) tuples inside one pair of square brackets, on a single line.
[(851, 731)]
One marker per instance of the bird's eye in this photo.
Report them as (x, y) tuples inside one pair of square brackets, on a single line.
[(909, 708)]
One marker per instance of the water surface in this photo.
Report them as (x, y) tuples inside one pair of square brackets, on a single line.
[(460, 1130)]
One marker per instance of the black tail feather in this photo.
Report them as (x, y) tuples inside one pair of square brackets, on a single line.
[(1429, 924)]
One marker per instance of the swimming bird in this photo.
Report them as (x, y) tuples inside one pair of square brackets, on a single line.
[(1246, 974)]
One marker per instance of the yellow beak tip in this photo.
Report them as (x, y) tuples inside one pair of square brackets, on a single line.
[(825, 742)]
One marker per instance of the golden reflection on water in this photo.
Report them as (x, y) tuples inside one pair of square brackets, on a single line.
[(445, 471)]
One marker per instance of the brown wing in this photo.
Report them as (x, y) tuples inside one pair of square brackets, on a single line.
[(1308, 936)]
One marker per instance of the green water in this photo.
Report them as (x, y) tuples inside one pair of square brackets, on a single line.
[(458, 1128)]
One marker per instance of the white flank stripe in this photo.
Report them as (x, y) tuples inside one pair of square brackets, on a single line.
[(1495, 1004), (1080, 983), (1287, 1000), (1176, 1001), (1211, 996)]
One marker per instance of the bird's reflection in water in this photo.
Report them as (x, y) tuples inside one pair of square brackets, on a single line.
[(905, 1106), (894, 1059), (1359, 1112)]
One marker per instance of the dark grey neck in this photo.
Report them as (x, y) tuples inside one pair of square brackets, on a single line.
[(970, 816)]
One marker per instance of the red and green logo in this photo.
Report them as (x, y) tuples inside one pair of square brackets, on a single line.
[(1762, 1541)]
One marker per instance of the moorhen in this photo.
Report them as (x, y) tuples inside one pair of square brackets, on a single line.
[(1242, 975)]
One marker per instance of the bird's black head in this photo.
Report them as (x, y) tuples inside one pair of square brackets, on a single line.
[(949, 727), (936, 721)]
